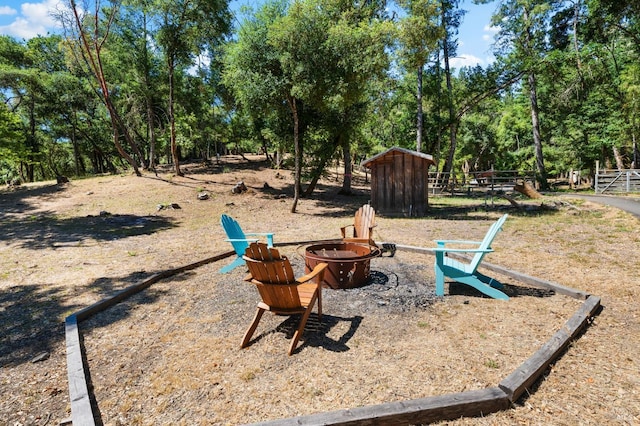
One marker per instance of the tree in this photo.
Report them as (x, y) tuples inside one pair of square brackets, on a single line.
[(185, 29), (92, 34), (22, 83), (316, 57), (523, 28), (450, 21), (138, 70), (11, 144), (419, 34)]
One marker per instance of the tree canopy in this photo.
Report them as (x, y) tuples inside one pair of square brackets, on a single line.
[(130, 84)]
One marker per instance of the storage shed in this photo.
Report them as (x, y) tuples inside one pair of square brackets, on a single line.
[(400, 182)]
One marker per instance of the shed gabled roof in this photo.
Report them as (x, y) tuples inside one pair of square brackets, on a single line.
[(391, 151)]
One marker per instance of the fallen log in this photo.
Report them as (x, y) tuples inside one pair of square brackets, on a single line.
[(527, 189)]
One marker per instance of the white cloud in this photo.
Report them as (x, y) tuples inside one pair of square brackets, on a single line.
[(490, 32), (35, 19), (21, 28), (491, 28), (6, 10), (465, 60)]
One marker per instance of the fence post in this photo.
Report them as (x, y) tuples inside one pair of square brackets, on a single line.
[(596, 177), (628, 181)]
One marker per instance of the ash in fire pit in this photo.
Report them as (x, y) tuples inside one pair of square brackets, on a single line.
[(348, 262)]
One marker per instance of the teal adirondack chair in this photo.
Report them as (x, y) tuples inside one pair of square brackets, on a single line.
[(467, 273), (239, 240)]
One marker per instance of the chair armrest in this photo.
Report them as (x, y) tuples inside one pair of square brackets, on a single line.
[(442, 242), (269, 236), (343, 230), (308, 277), (460, 250), (235, 240)]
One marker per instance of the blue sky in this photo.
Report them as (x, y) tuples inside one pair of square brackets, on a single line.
[(24, 20)]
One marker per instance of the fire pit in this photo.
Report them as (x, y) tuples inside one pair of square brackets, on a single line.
[(348, 262)]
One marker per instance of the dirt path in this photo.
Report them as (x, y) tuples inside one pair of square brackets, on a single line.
[(630, 204)]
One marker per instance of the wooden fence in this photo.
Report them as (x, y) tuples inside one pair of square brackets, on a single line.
[(480, 181)]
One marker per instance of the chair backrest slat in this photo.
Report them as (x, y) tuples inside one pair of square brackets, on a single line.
[(234, 232), (280, 296), (267, 265), (273, 276), (364, 220), (488, 239)]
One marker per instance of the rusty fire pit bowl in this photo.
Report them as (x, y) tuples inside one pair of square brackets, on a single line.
[(348, 262)]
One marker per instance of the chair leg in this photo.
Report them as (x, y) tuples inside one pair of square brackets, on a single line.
[(303, 322), (252, 328), (239, 261), (439, 279), (488, 280), (482, 287)]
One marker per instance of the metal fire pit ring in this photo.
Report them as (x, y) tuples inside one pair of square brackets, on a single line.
[(349, 262)]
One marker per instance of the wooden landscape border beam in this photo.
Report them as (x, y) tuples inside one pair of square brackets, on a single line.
[(431, 409), (81, 409), (515, 384), (415, 411)]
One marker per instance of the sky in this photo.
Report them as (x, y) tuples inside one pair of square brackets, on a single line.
[(25, 20)]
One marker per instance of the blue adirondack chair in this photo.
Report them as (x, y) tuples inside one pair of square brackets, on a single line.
[(239, 240), (467, 273)]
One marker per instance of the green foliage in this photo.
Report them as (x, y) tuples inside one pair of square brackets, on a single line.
[(351, 71), (322, 53)]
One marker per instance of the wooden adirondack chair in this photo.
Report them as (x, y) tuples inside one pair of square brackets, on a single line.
[(363, 224), (280, 291), (467, 273), (239, 240)]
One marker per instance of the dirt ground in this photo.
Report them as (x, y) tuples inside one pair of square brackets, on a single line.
[(170, 355)]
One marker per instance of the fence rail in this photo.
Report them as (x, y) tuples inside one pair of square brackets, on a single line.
[(616, 180), (494, 180)]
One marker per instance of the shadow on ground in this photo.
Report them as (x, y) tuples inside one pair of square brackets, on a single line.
[(510, 290), (33, 315), (316, 333), (45, 231)]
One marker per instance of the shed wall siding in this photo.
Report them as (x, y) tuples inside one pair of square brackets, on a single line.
[(399, 185)]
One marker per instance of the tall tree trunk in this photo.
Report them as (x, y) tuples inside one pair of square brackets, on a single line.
[(172, 120), (453, 125), (32, 141), (535, 114), (297, 154), (576, 16), (618, 157), (74, 143), (537, 138), (151, 130), (346, 156), (94, 60), (438, 116), (635, 157), (152, 134), (419, 120)]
